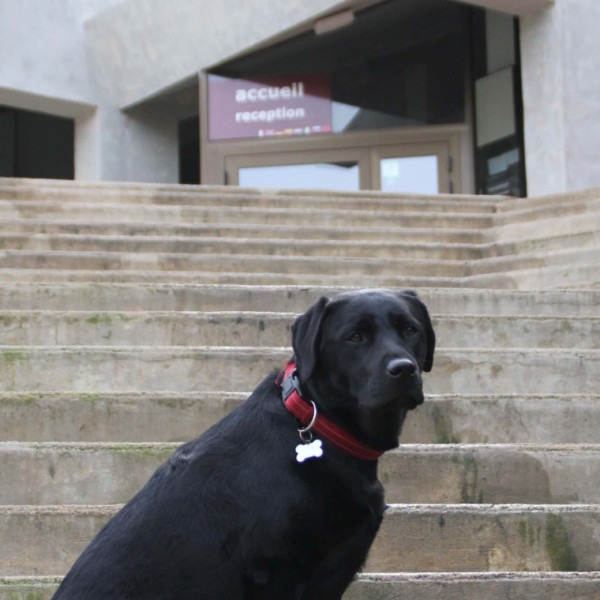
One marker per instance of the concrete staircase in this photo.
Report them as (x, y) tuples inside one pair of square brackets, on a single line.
[(133, 316)]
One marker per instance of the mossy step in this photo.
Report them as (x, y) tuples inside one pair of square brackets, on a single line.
[(476, 586), (432, 586), (209, 368), (172, 417), (112, 473), (282, 298), (428, 537), (245, 328)]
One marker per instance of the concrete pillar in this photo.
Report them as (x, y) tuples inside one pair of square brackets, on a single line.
[(560, 54)]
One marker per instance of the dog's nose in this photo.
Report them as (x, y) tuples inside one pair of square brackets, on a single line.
[(401, 367)]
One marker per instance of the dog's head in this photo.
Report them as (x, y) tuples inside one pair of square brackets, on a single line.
[(360, 356)]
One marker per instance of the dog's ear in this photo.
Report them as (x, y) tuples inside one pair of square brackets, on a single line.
[(423, 316), (306, 335)]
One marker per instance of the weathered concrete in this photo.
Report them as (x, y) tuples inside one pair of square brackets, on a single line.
[(174, 417), (487, 538), (433, 538), (112, 473), (483, 586), (233, 328), (186, 214), (103, 369), (433, 586), (284, 298)]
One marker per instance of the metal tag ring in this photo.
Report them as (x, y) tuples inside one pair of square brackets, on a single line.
[(306, 430)]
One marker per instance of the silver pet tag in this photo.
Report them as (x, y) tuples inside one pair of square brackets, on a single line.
[(305, 451)]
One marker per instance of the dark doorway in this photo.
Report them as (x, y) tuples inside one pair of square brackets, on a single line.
[(189, 150), (36, 145)]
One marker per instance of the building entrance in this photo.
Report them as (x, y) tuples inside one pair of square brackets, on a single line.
[(401, 96), (417, 167)]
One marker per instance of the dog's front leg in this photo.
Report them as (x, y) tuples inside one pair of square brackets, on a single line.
[(336, 572)]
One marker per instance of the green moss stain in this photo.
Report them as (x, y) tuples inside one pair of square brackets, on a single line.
[(529, 533), (99, 320), (29, 595), (150, 451), (12, 357), (560, 552), (443, 434), (469, 491)]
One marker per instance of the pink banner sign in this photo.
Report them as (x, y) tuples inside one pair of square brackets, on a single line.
[(268, 107)]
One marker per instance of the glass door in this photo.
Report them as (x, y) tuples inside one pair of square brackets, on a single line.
[(343, 170), (412, 168)]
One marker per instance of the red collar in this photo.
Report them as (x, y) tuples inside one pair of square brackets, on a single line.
[(305, 413)]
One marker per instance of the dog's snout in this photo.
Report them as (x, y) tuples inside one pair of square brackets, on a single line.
[(401, 367)]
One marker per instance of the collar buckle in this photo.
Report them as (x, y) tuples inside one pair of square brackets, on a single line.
[(290, 384)]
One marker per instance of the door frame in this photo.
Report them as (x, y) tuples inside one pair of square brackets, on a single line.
[(361, 156), (439, 149)]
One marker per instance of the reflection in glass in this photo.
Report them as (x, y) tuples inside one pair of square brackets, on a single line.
[(332, 176), (410, 174)]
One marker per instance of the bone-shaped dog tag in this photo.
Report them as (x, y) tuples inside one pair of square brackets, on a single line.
[(312, 450)]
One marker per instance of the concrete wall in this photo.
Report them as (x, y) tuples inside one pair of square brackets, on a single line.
[(42, 54), (560, 50), (140, 47)]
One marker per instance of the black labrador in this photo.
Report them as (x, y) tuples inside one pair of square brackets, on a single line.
[(280, 500)]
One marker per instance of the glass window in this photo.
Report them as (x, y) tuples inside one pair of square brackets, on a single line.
[(332, 176), (410, 174)]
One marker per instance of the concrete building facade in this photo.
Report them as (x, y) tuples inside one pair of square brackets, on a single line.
[(486, 96)]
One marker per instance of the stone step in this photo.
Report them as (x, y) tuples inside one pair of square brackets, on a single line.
[(479, 586), (424, 245), (230, 263), (268, 217), (482, 258), (202, 368), (422, 537), (173, 417), (566, 228), (358, 280), (584, 275), (467, 537), (536, 260), (28, 588), (392, 586), (76, 473), (233, 328), (242, 197), (542, 208), (242, 230), (246, 246), (291, 299), (569, 276)]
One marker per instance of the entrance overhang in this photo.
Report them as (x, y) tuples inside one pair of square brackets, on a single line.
[(512, 7)]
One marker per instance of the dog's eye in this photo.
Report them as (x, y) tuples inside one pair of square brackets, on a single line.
[(408, 331), (356, 337)]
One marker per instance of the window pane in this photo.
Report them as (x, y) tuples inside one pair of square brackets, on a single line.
[(338, 176), (410, 174)]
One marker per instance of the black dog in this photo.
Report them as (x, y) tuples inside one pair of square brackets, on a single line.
[(255, 510)]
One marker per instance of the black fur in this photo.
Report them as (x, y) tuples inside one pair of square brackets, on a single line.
[(232, 515)]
